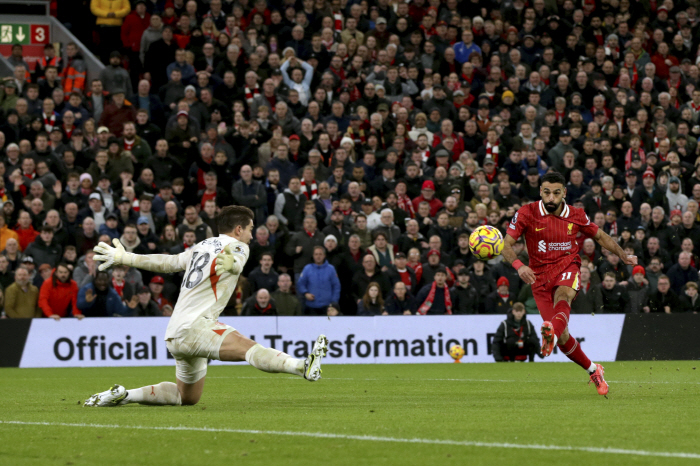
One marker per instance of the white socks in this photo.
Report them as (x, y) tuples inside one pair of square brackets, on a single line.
[(593, 368), (272, 360), (165, 393), (265, 359)]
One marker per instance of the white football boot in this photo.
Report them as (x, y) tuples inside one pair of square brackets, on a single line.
[(115, 396), (312, 364)]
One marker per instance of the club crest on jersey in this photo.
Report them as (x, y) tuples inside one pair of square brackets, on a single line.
[(569, 230)]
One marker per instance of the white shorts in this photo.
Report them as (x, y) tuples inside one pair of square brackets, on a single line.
[(196, 346)]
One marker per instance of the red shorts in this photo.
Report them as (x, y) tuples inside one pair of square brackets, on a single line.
[(544, 293)]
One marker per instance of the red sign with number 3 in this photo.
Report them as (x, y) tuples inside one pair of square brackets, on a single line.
[(39, 34)]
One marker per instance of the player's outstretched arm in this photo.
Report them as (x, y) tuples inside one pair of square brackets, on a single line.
[(608, 243), (526, 274), (161, 263)]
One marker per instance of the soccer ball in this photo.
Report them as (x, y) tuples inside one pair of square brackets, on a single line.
[(456, 351), (486, 242)]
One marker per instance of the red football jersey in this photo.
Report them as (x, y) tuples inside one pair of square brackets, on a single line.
[(551, 240)]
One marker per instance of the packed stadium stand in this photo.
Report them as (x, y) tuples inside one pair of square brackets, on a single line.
[(382, 131)]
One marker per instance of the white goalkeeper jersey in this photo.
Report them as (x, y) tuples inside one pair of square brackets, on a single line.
[(202, 292)]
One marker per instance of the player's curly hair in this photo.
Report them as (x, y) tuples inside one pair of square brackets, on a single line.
[(554, 177)]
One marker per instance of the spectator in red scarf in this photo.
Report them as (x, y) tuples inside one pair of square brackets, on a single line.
[(259, 304), (435, 298), (516, 338)]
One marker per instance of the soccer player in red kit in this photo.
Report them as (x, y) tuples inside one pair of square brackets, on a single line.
[(550, 227)]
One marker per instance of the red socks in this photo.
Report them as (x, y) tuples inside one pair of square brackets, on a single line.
[(560, 320), (571, 348), (573, 351)]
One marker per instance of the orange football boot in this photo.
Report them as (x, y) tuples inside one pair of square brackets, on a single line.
[(548, 338), (597, 378)]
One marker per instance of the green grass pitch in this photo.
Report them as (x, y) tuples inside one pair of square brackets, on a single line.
[(442, 414)]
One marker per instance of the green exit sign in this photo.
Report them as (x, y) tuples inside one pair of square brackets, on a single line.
[(14, 34)]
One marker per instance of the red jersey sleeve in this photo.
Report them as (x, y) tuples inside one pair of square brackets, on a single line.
[(586, 227), (518, 224)]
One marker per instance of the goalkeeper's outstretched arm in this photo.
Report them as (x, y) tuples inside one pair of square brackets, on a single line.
[(161, 263)]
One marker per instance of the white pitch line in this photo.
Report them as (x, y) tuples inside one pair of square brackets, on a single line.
[(371, 438), (460, 380)]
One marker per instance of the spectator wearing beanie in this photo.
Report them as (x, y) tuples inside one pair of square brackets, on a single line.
[(649, 193), (638, 291), (428, 195), (501, 300), (44, 250)]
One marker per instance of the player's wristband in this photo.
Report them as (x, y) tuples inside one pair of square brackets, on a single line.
[(517, 264)]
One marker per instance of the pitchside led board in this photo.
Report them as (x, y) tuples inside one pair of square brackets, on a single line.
[(358, 340)]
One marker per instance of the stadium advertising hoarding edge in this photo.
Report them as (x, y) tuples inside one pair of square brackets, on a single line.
[(356, 340)]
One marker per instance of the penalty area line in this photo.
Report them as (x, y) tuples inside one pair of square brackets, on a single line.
[(370, 438)]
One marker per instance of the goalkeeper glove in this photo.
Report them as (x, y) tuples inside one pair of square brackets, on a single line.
[(226, 261)]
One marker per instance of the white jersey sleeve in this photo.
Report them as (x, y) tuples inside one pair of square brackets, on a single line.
[(202, 292)]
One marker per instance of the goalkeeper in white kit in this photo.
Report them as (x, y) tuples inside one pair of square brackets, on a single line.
[(194, 335)]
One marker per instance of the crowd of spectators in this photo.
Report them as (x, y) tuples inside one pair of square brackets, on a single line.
[(369, 138)]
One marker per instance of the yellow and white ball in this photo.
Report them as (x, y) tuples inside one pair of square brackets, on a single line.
[(486, 242), (456, 351)]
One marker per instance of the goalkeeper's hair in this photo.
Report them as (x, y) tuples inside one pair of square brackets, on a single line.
[(232, 216), (554, 177)]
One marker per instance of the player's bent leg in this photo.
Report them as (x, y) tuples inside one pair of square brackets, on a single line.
[(164, 393), (236, 347), (572, 350), (190, 373), (190, 393), (563, 297), (564, 337), (544, 299)]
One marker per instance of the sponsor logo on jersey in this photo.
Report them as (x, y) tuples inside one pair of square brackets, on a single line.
[(543, 246)]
